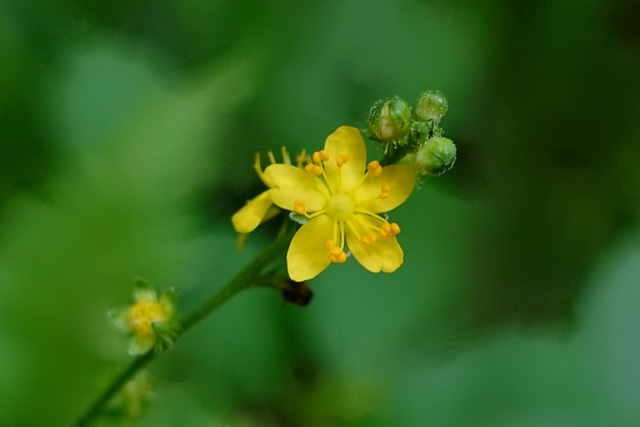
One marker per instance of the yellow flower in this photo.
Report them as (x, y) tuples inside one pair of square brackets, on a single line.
[(259, 209), (147, 318), (342, 207)]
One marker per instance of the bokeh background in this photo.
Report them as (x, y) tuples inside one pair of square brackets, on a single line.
[(128, 131)]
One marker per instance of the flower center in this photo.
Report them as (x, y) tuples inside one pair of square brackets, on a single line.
[(142, 314), (340, 207)]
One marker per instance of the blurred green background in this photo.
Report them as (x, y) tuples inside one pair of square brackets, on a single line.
[(128, 133)]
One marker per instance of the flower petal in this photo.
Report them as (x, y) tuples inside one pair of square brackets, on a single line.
[(291, 184), (143, 291), (345, 140), (400, 179), (308, 254), (141, 345), (383, 255), (251, 215)]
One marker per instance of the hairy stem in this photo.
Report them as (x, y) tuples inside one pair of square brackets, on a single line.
[(242, 280)]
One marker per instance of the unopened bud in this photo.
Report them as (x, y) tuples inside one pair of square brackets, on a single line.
[(431, 105), (422, 130), (389, 119), (436, 156)]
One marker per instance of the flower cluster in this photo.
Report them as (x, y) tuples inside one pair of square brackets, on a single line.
[(342, 197)]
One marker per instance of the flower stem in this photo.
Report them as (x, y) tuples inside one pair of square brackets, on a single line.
[(242, 280)]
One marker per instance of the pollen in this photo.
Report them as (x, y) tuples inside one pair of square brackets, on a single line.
[(342, 159), (300, 207), (336, 254), (385, 230), (338, 257), (314, 169), (395, 228), (369, 239), (375, 168), (320, 156)]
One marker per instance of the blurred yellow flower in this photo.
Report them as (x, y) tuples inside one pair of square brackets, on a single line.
[(147, 318), (342, 208)]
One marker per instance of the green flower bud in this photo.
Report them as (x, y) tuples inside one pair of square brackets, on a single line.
[(389, 119), (436, 156), (431, 105), (422, 130)]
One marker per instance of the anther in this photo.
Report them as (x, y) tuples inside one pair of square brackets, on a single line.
[(365, 240), (316, 157), (300, 207), (385, 230), (375, 168), (395, 228), (338, 256), (329, 244), (324, 155), (314, 169), (342, 159)]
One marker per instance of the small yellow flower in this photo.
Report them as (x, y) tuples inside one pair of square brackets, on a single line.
[(260, 208), (148, 317), (342, 207)]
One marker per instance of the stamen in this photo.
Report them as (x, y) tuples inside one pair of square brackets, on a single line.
[(320, 156), (258, 167), (285, 156), (271, 158), (386, 188), (342, 159), (335, 253), (375, 167), (315, 214), (371, 214), (300, 207), (301, 158)]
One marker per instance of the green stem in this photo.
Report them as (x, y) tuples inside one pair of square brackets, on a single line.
[(242, 280)]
